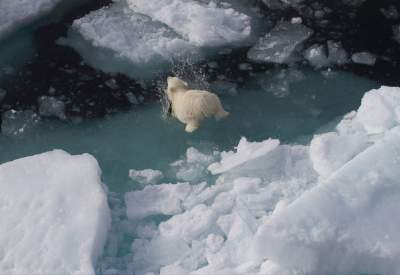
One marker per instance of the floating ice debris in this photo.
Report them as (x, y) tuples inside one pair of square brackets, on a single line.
[(279, 45), (278, 84), (194, 166), (157, 199), (55, 215), (274, 208), (51, 107), (316, 56), (364, 58), (209, 25), (16, 123), (146, 176), (336, 53), (390, 12)]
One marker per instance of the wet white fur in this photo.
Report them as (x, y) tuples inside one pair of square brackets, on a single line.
[(192, 106)]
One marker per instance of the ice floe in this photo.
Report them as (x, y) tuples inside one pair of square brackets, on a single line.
[(270, 208), (55, 215), (140, 46), (151, 37), (280, 44)]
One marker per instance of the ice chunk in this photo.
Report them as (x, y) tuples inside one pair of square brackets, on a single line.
[(210, 25), (390, 12), (330, 151), (364, 58), (245, 151), (16, 123), (146, 176), (336, 53), (190, 224), (279, 83), (54, 214), (345, 225), (141, 47), (380, 110), (156, 199), (279, 45), (316, 56), (193, 167), (51, 107), (14, 14)]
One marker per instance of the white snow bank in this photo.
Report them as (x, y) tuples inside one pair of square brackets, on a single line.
[(14, 14), (54, 214), (202, 24)]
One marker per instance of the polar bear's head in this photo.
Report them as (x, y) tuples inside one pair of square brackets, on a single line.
[(175, 85)]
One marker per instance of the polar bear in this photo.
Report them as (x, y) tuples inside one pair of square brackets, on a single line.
[(192, 106)]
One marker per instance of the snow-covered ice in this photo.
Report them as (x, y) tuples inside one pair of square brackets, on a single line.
[(201, 23), (272, 208), (54, 214), (140, 47), (151, 37), (280, 44)]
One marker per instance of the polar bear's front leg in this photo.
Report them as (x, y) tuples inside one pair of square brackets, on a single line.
[(192, 126)]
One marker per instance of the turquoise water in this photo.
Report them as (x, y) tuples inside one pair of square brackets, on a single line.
[(141, 139)]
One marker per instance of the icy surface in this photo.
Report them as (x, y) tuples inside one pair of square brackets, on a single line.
[(146, 176), (194, 221), (285, 209), (345, 225), (14, 14), (54, 214), (154, 36), (51, 107), (364, 58), (140, 45), (316, 56), (202, 24), (279, 45)]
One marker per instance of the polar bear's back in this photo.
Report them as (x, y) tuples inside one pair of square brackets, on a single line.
[(197, 104)]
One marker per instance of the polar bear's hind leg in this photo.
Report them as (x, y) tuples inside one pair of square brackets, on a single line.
[(192, 126)]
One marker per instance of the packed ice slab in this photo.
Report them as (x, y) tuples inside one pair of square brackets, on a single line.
[(54, 214), (150, 37), (203, 24), (270, 208), (280, 44), (147, 44)]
